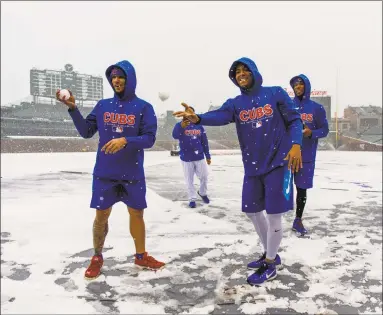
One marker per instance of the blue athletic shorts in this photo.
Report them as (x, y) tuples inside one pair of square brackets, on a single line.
[(305, 177), (107, 192), (272, 192)]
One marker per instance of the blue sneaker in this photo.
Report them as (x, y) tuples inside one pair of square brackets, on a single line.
[(204, 198), (265, 273), (298, 226), (192, 204), (254, 265)]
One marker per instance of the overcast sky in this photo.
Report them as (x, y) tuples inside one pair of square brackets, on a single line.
[(186, 48)]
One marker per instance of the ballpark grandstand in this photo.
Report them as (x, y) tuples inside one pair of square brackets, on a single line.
[(39, 123)]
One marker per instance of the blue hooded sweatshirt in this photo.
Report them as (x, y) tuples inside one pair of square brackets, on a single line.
[(267, 120), (193, 142), (121, 116), (314, 117)]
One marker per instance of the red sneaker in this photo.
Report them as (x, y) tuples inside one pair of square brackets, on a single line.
[(94, 269), (148, 262)]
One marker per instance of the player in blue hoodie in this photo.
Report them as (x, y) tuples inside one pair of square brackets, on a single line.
[(194, 146), (269, 131), (127, 125), (315, 126)]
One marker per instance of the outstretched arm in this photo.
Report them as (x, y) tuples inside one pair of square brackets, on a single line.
[(86, 127), (219, 117)]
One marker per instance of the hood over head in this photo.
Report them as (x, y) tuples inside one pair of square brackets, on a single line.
[(130, 78), (306, 81), (250, 64)]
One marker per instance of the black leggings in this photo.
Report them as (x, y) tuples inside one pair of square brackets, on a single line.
[(301, 201)]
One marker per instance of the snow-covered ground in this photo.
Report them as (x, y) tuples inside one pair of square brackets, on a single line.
[(46, 241)]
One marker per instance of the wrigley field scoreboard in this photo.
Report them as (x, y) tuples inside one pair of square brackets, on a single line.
[(85, 87)]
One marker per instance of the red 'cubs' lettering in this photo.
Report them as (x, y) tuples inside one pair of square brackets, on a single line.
[(256, 113), (268, 110), (243, 115), (260, 112), (131, 119), (192, 132), (121, 119), (307, 117), (114, 118), (106, 117)]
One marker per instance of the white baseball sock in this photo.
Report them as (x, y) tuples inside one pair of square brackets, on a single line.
[(274, 235), (260, 224)]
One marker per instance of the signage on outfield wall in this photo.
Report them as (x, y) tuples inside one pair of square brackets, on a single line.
[(313, 93), (84, 86)]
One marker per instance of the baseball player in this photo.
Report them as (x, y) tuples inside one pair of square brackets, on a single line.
[(269, 129), (127, 125), (194, 148), (315, 126)]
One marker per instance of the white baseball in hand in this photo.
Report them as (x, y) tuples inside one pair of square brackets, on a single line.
[(64, 95)]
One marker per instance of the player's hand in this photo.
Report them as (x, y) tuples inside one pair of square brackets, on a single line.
[(115, 145), (185, 123), (187, 113), (295, 158), (307, 132), (70, 102), (208, 161)]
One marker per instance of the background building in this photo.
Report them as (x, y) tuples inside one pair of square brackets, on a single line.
[(27, 126), (364, 124)]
